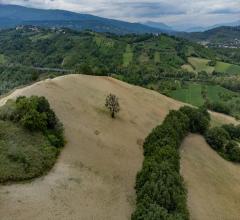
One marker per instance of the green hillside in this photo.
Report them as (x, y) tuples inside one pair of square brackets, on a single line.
[(139, 59), (158, 62), (214, 96), (200, 64)]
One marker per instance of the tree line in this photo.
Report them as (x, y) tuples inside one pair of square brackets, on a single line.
[(161, 193)]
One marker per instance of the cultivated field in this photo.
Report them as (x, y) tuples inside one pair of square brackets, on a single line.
[(127, 56), (201, 64), (192, 93), (2, 59), (95, 174)]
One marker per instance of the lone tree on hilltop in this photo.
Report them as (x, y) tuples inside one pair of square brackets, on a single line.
[(112, 104)]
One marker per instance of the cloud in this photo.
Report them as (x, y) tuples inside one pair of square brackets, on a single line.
[(227, 11), (200, 12)]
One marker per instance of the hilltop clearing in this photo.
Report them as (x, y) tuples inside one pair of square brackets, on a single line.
[(95, 174)]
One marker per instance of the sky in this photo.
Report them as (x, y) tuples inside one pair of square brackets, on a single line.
[(172, 12)]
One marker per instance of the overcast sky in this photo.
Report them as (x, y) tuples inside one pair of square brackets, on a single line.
[(172, 12)]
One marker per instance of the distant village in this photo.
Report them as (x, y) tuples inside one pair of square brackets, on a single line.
[(235, 44)]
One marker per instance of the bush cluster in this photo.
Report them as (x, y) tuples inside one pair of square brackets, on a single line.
[(224, 140), (34, 113), (219, 107), (160, 189)]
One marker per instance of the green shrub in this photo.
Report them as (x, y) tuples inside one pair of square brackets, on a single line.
[(28, 144), (219, 107), (34, 121), (7, 111), (233, 151), (151, 212), (56, 136), (199, 119), (217, 138), (233, 131), (23, 155)]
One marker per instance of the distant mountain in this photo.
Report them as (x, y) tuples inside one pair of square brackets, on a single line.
[(191, 28), (221, 36), (195, 29), (13, 15), (158, 25), (229, 24)]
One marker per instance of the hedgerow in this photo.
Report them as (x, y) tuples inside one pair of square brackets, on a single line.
[(161, 194), (225, 140)]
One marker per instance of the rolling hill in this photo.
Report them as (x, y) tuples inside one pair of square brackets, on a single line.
[(14, 15), (224, 36), (95, 174), (138, 59), (212, 182)]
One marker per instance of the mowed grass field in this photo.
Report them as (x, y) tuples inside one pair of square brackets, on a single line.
[(157, 57), (127, 56), (2, 59), (200, 64), (38, 37), (227, 68), (192, 94)]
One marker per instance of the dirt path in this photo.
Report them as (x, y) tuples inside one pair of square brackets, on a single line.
[(95, 175), (213, 183)]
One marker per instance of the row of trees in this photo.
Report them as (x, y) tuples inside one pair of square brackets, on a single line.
[(160, 189), (225, 140)]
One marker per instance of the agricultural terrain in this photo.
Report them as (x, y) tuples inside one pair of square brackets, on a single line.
[(198, 94), (201, 64), (95, 174), (163, 63)]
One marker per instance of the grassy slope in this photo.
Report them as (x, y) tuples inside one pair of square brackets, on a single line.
[(191, 95), (95, 174), (24, 155), (213, 183), (200, 64), (2, 59), (127, 56)]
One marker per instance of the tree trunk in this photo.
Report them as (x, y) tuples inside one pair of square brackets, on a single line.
[(113, 115)]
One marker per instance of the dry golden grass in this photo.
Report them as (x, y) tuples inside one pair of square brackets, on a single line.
[(95, 175), (212, 182)]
